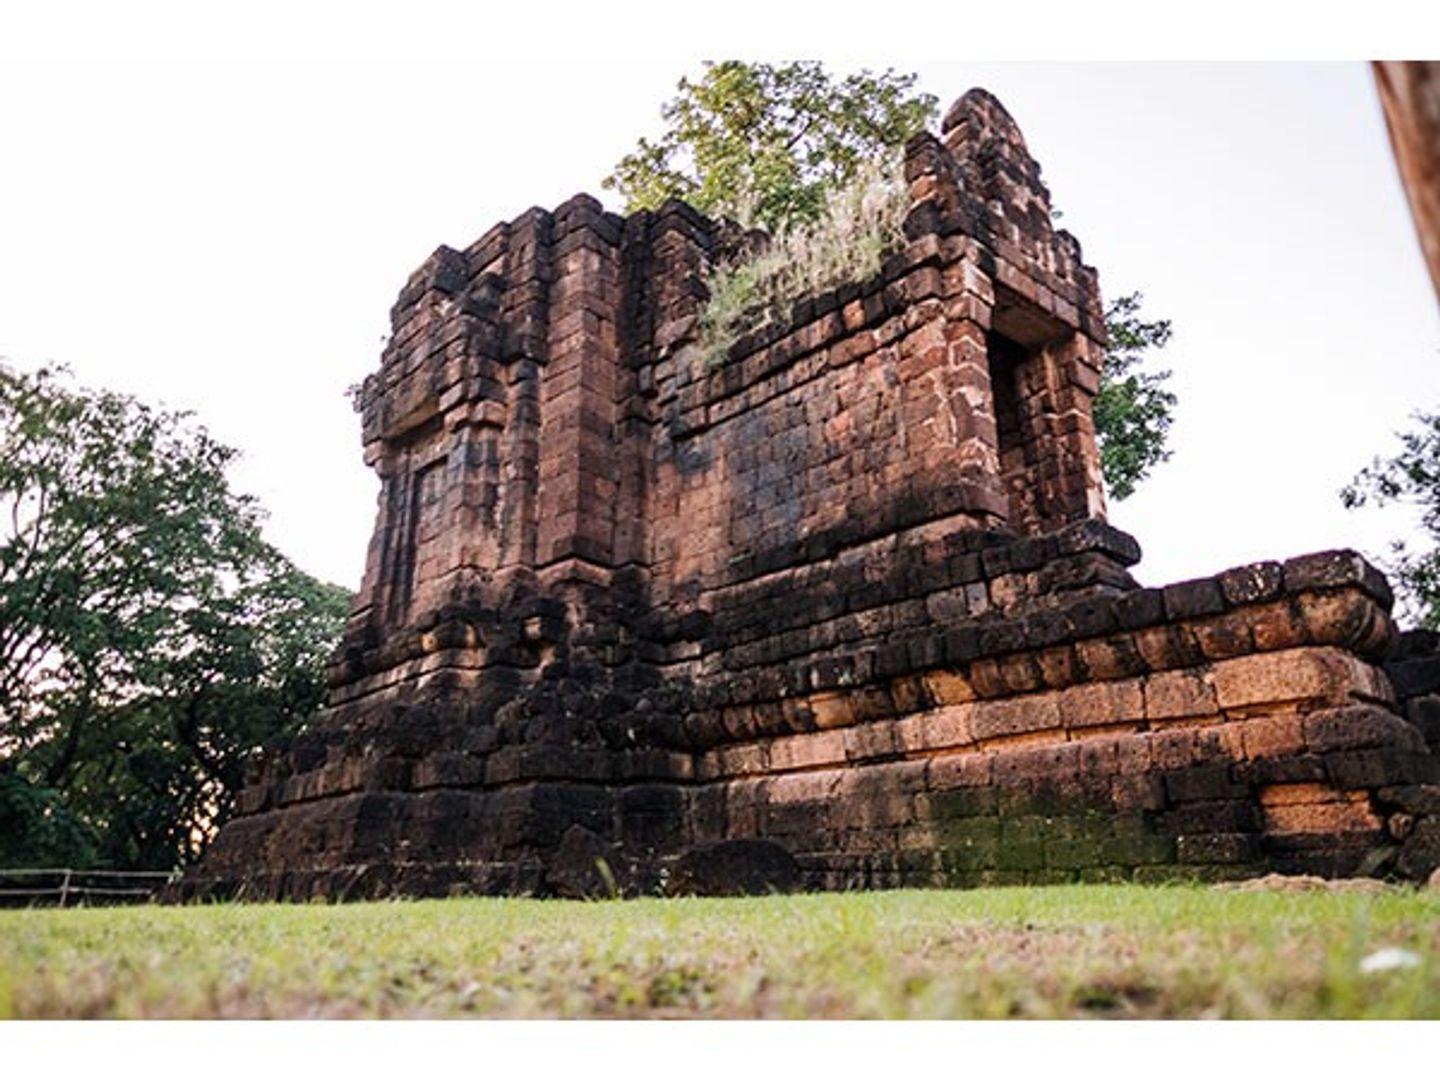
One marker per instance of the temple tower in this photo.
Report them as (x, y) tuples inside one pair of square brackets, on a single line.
[(843, 601)]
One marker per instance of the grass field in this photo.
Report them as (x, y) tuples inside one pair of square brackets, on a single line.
[(1081, 951)]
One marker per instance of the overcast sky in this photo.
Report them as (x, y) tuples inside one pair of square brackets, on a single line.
[(228, 239)]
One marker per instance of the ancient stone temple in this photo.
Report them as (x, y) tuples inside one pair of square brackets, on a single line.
[(839, 611)]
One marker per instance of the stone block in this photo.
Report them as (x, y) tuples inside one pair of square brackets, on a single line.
[(1317, 676), (1273, 736), (1116, 657), (1223, 636), (1166, 647), (949, 687), (831, 710), (735, 868), (1209, 848), (1027, 765), (1140, 608), (962, 770), (1276, 625), (1172, 695), (1203, 782), (870, 741), (1348, 619), (1014, 716), (1101, 704), (947, 806), (1192, 599), (585, 867), (1320, 818), (1252, 584), (1356, 727), (1334, 570)]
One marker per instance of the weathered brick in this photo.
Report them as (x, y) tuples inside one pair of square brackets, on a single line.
[(1016, 716), (1166, 647), (1320, 676), (1098, 704), (1358, 726), (1252, 584), (1218, 848), (1111, 658), (867, 741), (1273, 736), (1223, 636), (1140, 791), (1140, 608), (1039, 763), (1173, 695), (949, 687), (1202, 782), (961, 770), (1333, 569), (1191, 599), (1336, 815), (1276, 625)]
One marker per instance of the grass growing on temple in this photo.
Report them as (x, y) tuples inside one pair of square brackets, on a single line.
[(1077, 951), (860, 224)]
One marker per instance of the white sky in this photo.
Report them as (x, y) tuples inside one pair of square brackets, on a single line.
[(228, 238)]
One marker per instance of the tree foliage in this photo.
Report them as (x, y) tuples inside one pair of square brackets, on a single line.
[(765, 143), (1411, 477), (1133, 409), (37, 829), (150, 639), (775, 145)]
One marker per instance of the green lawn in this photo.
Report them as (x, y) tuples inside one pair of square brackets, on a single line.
[(1181, 951)]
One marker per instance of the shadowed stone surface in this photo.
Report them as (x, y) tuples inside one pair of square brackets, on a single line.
[(735, 868), (849, 594), (585, 867)]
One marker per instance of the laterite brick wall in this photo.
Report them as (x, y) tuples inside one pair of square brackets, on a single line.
[(838, 610)]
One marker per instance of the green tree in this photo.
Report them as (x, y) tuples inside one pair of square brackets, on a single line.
[(1133, 409), (1411, 478), (150, 639), (764, 143), (161, 770), (36, 828)]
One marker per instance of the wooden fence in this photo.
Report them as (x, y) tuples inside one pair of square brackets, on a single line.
[(67, 887)]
